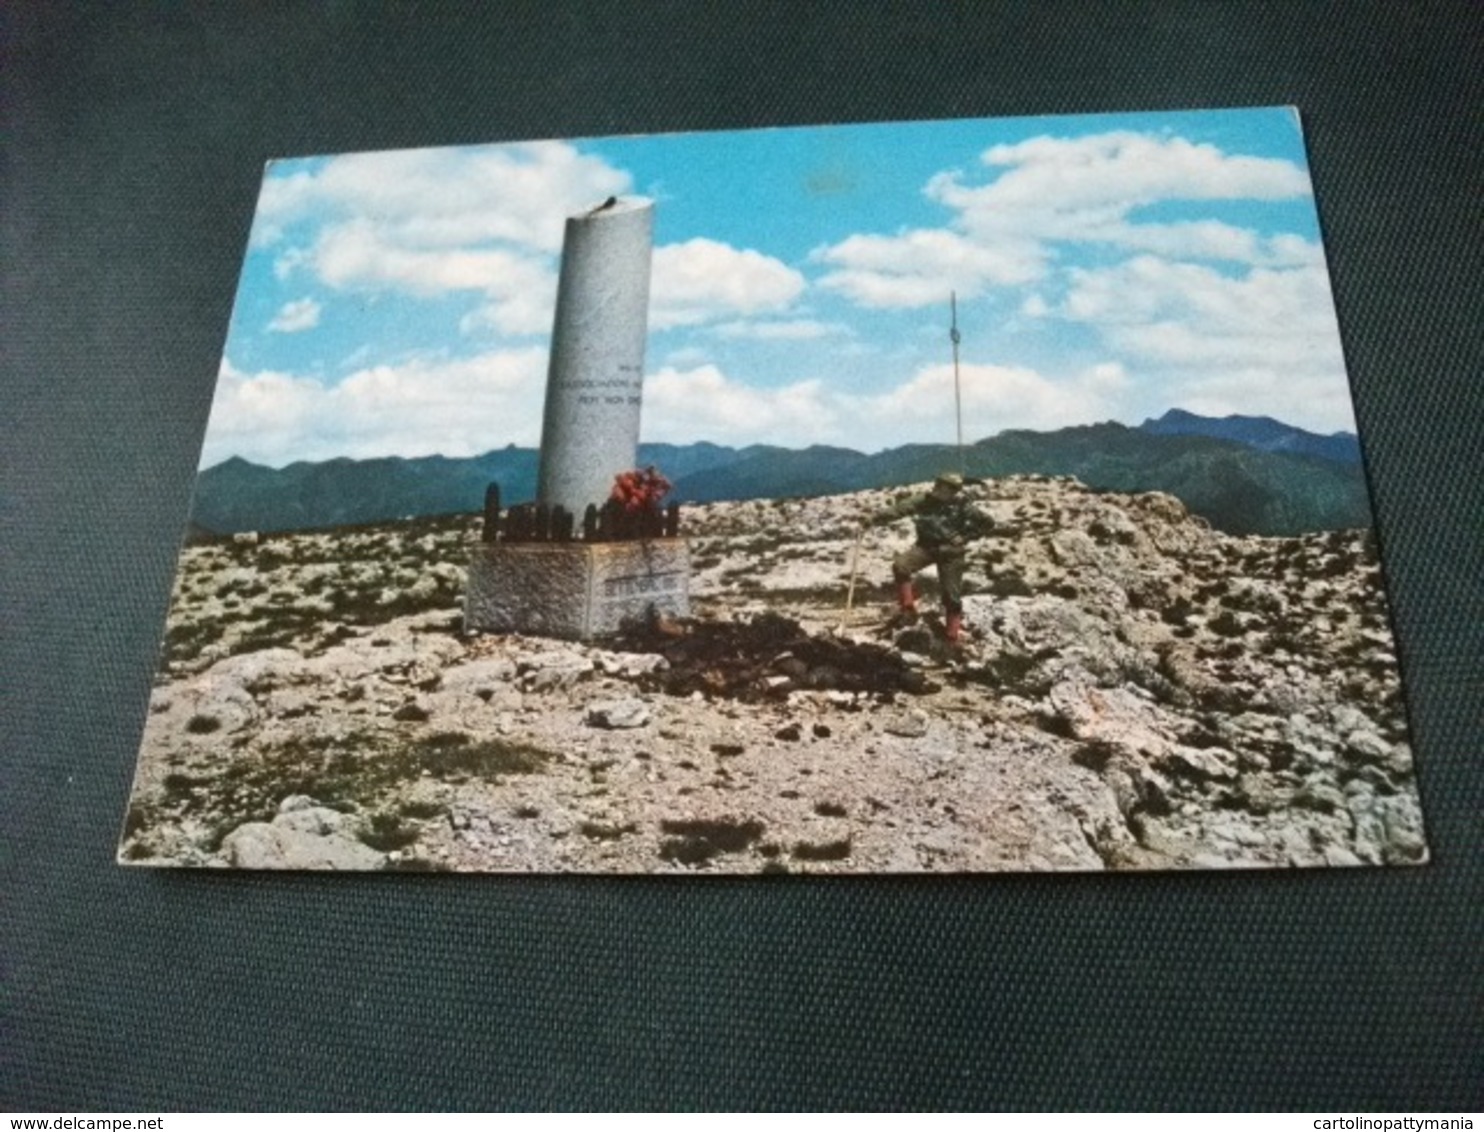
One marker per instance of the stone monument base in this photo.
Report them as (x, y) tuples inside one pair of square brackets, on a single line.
[(574, 590)]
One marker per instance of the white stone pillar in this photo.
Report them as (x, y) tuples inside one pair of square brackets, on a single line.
[(595, 383)]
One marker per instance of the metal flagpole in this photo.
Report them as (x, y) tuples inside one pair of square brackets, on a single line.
[(958, 400)]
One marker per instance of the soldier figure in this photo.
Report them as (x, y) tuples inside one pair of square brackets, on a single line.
[(945, 523)]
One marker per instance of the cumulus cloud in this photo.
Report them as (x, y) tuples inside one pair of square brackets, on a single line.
[(359, 253), (518, 288), (683, 406), (1209, 240), (700, 280), (994, 398), (448, 198), (686, 357), (465, 407), (302, 314), (490, 222), (1091, 189), (417, 408), (1066, 190), (1267, 337), (919, 268), (486, 221), (789, 330), (1118, 170), (1034, 306)]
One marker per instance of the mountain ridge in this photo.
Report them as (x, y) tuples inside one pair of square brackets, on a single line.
[(1244, 475), (1264, 433)]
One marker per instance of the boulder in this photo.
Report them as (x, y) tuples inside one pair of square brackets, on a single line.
[(1317, 794), (1110, 715), (552, 671), (302, 836), (630, 664), (1194, 762), (216, 705), (618, 715), (1368, 747), (912, 725), (476, 676)]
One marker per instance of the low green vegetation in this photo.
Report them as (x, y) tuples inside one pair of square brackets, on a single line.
[(351, 773)]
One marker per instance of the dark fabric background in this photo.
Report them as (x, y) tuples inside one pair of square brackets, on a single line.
[(134, 138)]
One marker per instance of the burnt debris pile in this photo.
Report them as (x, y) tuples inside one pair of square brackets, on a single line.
[(766, 658)]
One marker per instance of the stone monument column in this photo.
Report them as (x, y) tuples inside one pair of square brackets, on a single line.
[(595, 383), (587, 588)]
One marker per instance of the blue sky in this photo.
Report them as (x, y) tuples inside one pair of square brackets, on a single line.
[(1106, 267)]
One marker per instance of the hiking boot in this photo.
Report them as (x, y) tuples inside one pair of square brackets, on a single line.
[(953, 629)]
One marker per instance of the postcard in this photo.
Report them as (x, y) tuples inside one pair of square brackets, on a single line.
[(955, 496)]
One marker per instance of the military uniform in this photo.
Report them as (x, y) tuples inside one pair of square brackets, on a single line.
[(945, 523)]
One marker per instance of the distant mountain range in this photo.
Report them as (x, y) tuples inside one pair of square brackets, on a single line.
[(1262, 433), (1245, 475)]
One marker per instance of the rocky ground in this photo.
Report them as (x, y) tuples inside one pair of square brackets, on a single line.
[(1138, 691)]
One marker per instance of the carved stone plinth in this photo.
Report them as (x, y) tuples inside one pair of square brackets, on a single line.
[(574, 591)]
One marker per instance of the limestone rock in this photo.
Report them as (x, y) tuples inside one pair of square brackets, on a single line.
[(1318, 794), (1110, 715), (912, 725), (630, 665), (1138, 691), (618, 715), (1368, 746), (1199, 764), (1399, 761), (302, 836), (553, 671), (476, 676)]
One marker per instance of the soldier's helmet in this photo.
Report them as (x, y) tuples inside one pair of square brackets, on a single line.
[(948, 484)]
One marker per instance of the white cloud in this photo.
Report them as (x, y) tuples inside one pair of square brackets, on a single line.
[(1267, 338), (921, 267), (1051, 190), (687, 357), (682, 406), (450, 198), (302, 314), (421, 407), (435, 222), (469, 406), (289, 262), (519, 287), (514, 310), (702, 279), (1209, 240), (790, 330), (1115, 171), (1034, 306), (994, 398), (1091, 188), (490, 221)]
